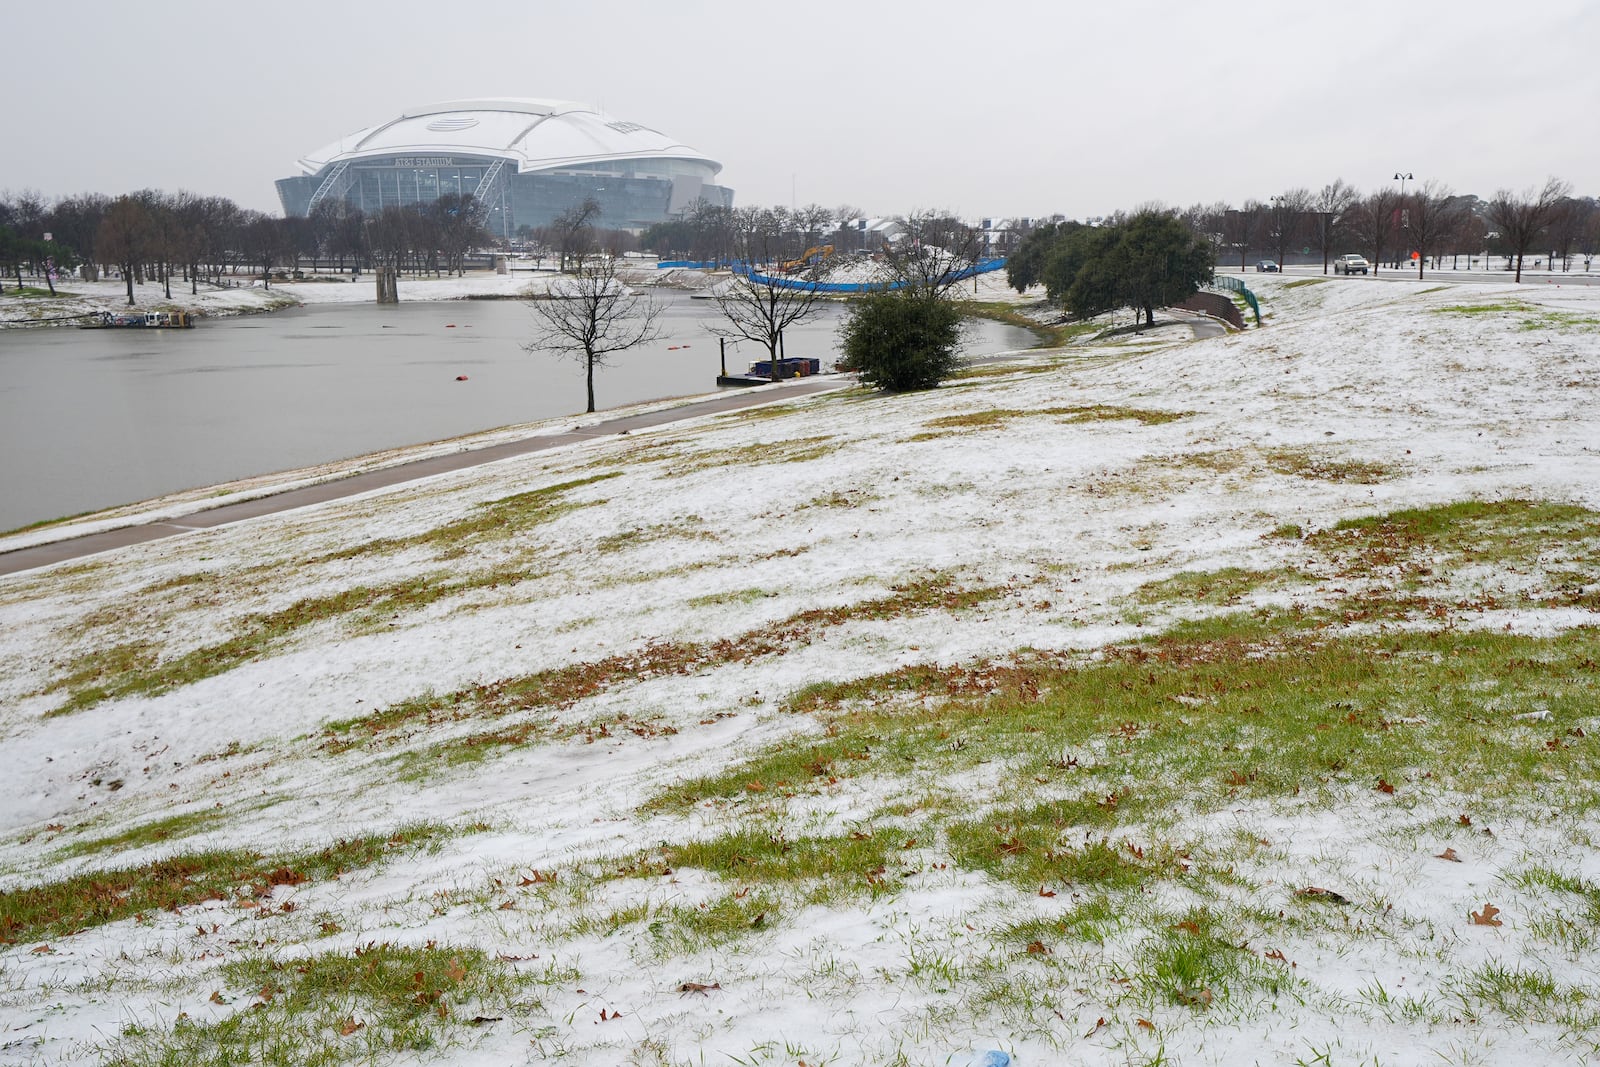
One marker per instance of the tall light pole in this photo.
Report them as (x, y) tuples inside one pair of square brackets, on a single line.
[(1405, 220), (1278, 207)]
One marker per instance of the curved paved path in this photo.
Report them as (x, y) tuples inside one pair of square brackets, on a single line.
[(23, 559)]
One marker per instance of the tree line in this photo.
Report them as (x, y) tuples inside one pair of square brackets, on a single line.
[(708, 232), (155, 236), (1389, 224)]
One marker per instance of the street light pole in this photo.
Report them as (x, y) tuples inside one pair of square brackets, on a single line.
[(1402, 177)]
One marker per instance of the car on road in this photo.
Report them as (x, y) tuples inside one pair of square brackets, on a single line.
[(1350, 263), (1267, 266)]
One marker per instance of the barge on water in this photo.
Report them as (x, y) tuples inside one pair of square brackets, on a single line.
[(155, 320), (760, 372)]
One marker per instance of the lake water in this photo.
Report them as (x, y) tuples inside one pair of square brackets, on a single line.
[(94, 418)]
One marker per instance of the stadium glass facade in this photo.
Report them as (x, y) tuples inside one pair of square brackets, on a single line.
[(525, 161)]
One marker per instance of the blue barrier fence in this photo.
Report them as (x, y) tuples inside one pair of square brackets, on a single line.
[(983, 266)]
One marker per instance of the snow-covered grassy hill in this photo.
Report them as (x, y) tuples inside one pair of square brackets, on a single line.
[(1145, 700)]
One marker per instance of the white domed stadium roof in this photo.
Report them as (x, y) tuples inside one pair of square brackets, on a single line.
[(534, 134)]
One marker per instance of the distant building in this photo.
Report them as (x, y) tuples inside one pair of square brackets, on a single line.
[(527, 161)]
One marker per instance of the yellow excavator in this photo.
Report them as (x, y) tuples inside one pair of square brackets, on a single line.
[(813, 255)]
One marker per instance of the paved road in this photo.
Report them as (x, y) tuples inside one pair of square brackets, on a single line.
[(1475, 277), (23, 559)]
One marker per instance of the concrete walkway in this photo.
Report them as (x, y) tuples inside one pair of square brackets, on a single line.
[(23, 559)]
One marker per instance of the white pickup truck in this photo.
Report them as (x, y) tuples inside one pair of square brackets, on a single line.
[(1350, 263)]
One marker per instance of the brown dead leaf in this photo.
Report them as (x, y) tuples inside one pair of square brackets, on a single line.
[(1043, 892), (1486, 917), (1146, 1024), (350, 1026), (216, 997), (41, 949), (509, 905), (1463, 820), (1195, 998), (1448, 854), (755, 787), (699, 987), (455, 970), (1037, 948), (1099, 1024), (1188, 927), (1384, 787), (1274, 954)]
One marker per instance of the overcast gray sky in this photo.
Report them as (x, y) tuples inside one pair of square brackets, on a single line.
[(1027, 108)]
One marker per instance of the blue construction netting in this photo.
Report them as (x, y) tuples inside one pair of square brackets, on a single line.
[(697, 264)]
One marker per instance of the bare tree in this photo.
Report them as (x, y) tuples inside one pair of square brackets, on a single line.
[(1286, 221), (591, 315), (1522, 217), (1240, 228), (123, 237), (1433, 216), (757, 306), (1374, 219), (1566, 229), (937, 251), (573, 232), (1332, 204)]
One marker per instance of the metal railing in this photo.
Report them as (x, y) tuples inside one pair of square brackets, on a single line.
[(1234, 285)]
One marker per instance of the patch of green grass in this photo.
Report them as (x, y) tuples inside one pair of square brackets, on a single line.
[(134, 668), (62, 908), (733, 596), (763, 858), (1526, 995), (1223, 587), (793, 450), (1309, 463), (1303, 282), (1200, 960), (42, 523), (1002, 370), (563, 686), (686, 528), (1264, 705), (1522, 553), (1585, 894), (684, 929), (149, 833), (1484, 309), (490, 521), (1560, 320), (368, 1006), (28, 292), (1078, 413), (1054, 844)]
